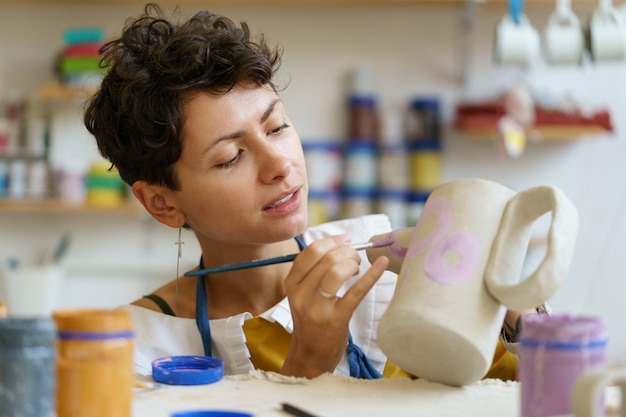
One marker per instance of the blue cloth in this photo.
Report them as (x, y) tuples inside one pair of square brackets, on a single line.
[(360, 365)]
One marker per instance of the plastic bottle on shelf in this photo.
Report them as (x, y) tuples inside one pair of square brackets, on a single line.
[(11, 116), (4, 178), (105, 188), (357, 202), (18, 170), (363, 118), (4, 137), (362, 107), (72, 181), (423, 131), (393, 203), (392, 126), (393, 166), (36, 136), (425, 166), (360, 170), (416, 202), (38, 179), (423, 120), (323, 162)]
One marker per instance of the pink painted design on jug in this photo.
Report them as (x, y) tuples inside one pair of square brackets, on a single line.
[(462, 244), (442, 212), (396, 251), (438, 244)]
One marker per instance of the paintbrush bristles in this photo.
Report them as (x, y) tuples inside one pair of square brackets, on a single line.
[(369, 245)]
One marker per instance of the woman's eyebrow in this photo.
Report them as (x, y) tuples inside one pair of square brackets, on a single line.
[(229, 136), (234, 135), (266, 114), (270, 109)]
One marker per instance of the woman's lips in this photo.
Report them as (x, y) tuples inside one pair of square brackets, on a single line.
[(281, 201), (286, 204)]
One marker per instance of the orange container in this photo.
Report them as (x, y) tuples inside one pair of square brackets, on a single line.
[(94, 363)]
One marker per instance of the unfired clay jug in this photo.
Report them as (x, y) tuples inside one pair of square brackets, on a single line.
[(460, 270)]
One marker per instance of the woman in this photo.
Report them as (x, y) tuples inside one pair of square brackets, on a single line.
[(189, 115)]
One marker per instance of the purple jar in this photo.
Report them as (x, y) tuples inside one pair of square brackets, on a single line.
[(554, 352)]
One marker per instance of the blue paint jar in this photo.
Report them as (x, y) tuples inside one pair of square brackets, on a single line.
[(27, 367), (360, 167)]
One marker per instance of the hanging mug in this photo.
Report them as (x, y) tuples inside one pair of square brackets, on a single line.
[(564, 37), (517, 43), (462, 268), (607, 34)]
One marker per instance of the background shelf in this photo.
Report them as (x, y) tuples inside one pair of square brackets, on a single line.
[(538, 134), (56, 206)]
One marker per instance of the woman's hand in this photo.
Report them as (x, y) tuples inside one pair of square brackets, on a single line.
[(320, 319)]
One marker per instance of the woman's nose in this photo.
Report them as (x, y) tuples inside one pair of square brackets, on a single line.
[(274, 163)]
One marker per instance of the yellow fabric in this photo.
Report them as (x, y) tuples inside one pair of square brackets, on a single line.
[(269, 343), (394, 371), (504, 364)]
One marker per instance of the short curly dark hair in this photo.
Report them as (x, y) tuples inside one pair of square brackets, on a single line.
[(136, 115)]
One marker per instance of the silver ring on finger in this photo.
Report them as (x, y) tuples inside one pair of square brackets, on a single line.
[(326, 294)]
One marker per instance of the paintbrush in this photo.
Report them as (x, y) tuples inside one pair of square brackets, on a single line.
[(276, 260), (295, 411)]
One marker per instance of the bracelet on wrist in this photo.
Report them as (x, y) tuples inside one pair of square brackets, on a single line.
[(509, 335)]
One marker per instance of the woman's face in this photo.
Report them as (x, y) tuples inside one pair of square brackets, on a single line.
[(242, 171)]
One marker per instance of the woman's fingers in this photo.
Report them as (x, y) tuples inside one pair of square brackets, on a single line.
[(336, 273), (321, 270), (318, 255), (360, 288), (320, 318)]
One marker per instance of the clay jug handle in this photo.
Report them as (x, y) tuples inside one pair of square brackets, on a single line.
[(508, 251)]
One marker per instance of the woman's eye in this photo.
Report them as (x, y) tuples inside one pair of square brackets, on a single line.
[(280, 128), (232, 162)]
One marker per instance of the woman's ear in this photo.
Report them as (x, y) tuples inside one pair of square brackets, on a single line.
[(153, 198)]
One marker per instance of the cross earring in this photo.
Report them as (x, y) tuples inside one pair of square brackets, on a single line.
[(180, 244)]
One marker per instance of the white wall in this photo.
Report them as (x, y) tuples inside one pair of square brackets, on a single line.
[(412, 51)]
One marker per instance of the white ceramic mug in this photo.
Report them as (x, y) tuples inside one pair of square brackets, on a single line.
[(607, 34), (517, 43), (461, 271), (564, 38), (587, 397)]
